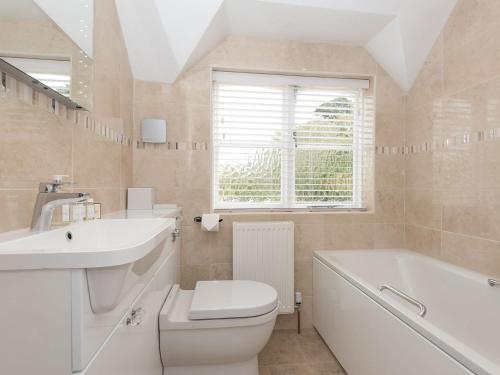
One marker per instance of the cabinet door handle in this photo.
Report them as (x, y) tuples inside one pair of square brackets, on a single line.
[(493, 282), (176, 233), (135, 317)]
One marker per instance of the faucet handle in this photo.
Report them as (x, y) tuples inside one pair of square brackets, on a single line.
[(54, 185), (58, 178)]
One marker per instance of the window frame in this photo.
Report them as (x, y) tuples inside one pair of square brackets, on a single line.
[(286, 203)]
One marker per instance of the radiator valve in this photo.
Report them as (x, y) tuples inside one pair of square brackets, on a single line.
[(298, 299)]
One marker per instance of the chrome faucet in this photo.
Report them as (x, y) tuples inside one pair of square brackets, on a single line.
[(49, 197)]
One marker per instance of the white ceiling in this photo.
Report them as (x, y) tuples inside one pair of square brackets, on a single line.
[(164, 37)]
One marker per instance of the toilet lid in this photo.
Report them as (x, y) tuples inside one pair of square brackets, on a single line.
[(232, 299)]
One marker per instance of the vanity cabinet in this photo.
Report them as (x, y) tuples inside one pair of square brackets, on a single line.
[(35, 322), (48, 324), (91, 329), (132, 348)]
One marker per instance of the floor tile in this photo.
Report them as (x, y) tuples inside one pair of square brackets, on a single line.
[(288, 353)]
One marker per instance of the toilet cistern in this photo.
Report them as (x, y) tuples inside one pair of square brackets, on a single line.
[(49, 197)]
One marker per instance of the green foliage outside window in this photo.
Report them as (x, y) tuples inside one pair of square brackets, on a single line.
[(323, 163)]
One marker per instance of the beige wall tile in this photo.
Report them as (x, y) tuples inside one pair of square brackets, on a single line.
[(303, 277), (195, 246), (421, 170), (191, 274), (388, 236), (458, 168), (16, 207), (96, 162), (488, 165), (473, 63), (423, 240), (390, 171), (308, 238), (35, 144), (474, 253), (470, 20), (126, 167), (221, 271), (221, 244), (389, 129), (419, 126), (423, 208), (389, 205), (349, 236), (478, 216)]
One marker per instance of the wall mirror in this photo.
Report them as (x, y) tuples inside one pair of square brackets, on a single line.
[(48, 44)]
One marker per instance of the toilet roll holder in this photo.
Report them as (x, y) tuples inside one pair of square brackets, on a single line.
[(197, 219)]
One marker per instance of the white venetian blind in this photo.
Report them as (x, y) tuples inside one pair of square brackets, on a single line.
[(283, 141)]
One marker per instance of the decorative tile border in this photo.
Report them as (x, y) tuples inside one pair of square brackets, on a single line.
[(204, 146), (388, 150), (485, 135), (447, 143), (12, 88), (173, 145)]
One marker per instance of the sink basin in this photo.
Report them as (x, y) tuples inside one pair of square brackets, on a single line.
[(115, 254), (93, 244)]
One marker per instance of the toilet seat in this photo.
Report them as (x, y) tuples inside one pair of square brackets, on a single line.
[(232, 299), (176, 312)]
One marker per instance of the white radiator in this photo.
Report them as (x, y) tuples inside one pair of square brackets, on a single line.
[(263, 251)]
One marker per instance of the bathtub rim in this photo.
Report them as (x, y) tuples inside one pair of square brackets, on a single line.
[(463, 354)]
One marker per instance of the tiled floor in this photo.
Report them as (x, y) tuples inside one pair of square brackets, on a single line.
[(288, 353)]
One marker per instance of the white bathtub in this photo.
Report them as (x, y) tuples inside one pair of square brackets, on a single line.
[(375, 332)]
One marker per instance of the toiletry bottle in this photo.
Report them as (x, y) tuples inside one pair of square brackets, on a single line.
[(90, 209)]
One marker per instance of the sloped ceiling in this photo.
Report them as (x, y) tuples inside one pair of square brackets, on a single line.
[(164, 37), (74, 17)]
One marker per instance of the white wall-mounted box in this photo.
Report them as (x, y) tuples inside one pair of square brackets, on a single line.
[(154, 130), (140, 198)]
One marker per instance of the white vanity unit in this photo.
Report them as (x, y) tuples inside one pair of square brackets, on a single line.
[(72, 297)]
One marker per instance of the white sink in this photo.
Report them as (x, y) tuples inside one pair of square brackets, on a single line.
[(93, 244), (116, 254)]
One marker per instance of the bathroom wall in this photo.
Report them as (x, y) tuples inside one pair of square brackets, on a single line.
[(453, 165), (181, 171), (36, 143)]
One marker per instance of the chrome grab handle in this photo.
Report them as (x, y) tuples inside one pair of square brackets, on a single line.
[(406, 297), (493, 282)]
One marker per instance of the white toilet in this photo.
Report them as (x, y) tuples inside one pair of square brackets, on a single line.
[(218, 328)]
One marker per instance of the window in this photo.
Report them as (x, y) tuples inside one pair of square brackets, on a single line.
[(290, 142)]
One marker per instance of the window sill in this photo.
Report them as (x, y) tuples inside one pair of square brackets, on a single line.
[(238, 211)]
